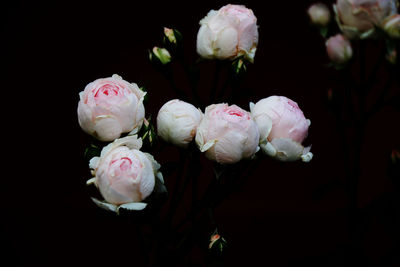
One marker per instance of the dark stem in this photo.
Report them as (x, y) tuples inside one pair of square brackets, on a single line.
[(176, 193), (218, 67), (168, 74)]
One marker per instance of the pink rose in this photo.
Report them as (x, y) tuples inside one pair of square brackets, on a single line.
[(177, 122), (109, 107), (319, 14), (228, 33), (339, 49), (227, 134), (282, 127), (124, 175), (357, 18)]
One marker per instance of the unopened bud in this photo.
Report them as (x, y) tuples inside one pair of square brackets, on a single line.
[(239, 66), (160, 55), (339, 49), (217, 243), (319, 14)]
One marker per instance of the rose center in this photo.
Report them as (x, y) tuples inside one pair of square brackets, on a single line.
[(107, 90)]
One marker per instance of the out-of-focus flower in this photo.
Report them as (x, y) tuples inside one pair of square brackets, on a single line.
[(358, 18), (391, 26), (109, 107), (391, 56), (227, 134), (124, 175), (228, 33), (282, 127), (177, 122), (339, 49), (319, 14), (160, 55)]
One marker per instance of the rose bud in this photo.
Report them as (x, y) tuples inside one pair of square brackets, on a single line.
[(228, 33), (357, 18), (124, 175), (109, 107), (217, 243), (159, 55), (339, 49), (319, 14), (177, 122), (391, 26), (172, 36), (227, 134), (282, 127)]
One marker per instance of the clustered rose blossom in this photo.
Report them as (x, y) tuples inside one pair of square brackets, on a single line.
[(228, 33), (124, 175), (227, 134), (282, 127), (358, 18), (339, 49), (109, 107), (177, 122)]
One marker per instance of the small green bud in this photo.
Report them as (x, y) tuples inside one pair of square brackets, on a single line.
[(160, 55)]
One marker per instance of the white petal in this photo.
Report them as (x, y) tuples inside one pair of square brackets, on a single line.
[(208, 145), (94, 163), (307, 157), (268, 149), (287, 149), (132, 206), (105, 205), (251, 104), (91, 181)]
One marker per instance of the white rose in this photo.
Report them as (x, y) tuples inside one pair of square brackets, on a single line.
[(282, 127), (177, 122), (124, 175), (228, 33), (227, 134), (109, 107)]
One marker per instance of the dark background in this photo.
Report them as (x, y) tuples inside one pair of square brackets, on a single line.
[(285, 214)]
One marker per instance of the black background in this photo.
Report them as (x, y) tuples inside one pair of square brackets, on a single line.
[(285, 214)]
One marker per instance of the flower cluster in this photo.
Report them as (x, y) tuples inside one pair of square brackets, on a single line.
[(124, 175), (112, 110), (356, 19), (228, 134)]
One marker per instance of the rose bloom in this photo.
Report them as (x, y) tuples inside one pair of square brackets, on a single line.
[(319, 14), (109, 107), (228, 33), (177, 122), (357, 18), (282, 127), (339, 49), (227, 134), (123, 174)]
